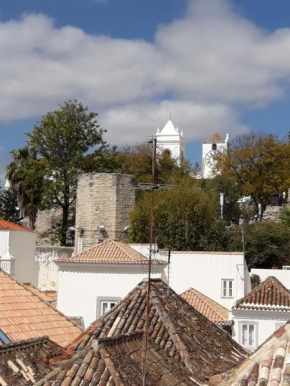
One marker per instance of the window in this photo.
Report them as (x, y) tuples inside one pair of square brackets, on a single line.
[(248, 335), (227, 288), (4, 338), (104, 304)]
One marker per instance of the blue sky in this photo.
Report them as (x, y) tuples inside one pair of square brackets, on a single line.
[(218, 65)]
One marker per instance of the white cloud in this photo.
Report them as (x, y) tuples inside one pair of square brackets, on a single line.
[(134, 123), (211, 63)]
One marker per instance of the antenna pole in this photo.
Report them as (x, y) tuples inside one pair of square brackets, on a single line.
[(146, 337)]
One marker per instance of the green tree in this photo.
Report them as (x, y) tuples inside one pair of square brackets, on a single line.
[(137, 160), (26, 175), (185, 219), (64, 143), (259, 164), (266, 244), (9, 209)]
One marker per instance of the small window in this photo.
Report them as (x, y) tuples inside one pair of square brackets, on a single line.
[(227, 288), (4, 338), (248, 335), (104, 304), (214, 147)]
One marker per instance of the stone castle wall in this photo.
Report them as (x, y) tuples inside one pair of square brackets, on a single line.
[(103, 199)]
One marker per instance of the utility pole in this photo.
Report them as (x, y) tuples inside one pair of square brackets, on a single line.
[(146, 337)]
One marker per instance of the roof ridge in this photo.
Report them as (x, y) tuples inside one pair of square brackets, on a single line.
[(198, 293), (25, 343)]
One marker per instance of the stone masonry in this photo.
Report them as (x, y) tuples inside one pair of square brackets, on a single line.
[(104, 201)]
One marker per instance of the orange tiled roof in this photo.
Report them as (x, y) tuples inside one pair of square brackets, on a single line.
[(110, 252), (48, 296), (14, 227), (24, 315), (214, 138), (268, 365), (270, 295), (207, 307)]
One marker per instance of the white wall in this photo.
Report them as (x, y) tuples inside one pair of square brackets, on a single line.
[(266, 323), (204, 271), (283, 275), (80, 284), (22, 247), (48, 270)]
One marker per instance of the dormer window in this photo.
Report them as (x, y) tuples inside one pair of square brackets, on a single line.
[(214, 147)]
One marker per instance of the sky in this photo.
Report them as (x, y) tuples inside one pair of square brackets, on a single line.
[(217, 65)]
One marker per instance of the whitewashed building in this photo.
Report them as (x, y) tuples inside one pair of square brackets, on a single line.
[(211, 149), (221, 276), (91, 283), (17, 252), (171, 138), (261, 312)]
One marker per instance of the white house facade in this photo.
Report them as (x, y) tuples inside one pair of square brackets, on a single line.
[(170, 138), (91, 283), (17, 252), (221, 276), (211, 149), (257, 315)]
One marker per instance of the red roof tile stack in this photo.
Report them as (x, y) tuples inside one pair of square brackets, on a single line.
[(25, 315)]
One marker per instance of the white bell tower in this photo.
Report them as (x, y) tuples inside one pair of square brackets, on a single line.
[(210, 149), (172, 139)]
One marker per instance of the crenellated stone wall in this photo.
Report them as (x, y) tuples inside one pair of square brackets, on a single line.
[(104, 201)]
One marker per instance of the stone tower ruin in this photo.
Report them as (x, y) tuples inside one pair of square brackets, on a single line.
[(104, 201)]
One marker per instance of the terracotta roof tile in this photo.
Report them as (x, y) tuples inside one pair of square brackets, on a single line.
[(213, 311), (11, 225), (118, 362), (270, 295), (112, 252), (185, 334), (26, 362), (214, 138), (48, 296), (25, 315), (268, 365)]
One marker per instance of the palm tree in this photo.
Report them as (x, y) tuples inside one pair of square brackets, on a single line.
[(21, 175)]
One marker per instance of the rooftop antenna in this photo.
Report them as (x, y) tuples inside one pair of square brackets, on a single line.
[(154, 146), (150, 187)]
